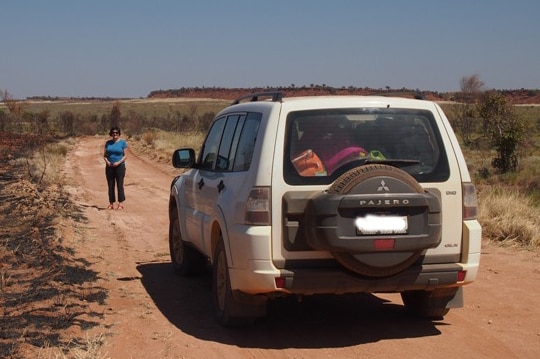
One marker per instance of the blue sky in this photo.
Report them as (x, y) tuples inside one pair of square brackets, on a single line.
[(128, 48)]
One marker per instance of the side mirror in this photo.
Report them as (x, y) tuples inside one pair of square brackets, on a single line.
[(183, 158)]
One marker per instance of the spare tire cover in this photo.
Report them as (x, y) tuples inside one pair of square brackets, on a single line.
[(378, 190)]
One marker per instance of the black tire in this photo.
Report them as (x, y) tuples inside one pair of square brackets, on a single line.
[(232, 309), (186, 260), (366, 264), (428, 304)]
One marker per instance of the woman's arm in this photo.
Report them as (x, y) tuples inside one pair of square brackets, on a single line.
[(121, 160), (107, 162)]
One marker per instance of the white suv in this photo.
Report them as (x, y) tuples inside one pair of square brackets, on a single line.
[(313, 195)]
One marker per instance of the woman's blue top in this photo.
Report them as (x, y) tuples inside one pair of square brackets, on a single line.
[(115, 150)]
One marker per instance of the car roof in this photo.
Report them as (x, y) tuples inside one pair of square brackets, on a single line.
[(376, 101), (316, 102)]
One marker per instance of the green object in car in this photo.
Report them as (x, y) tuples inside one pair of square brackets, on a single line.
[(377, 155)]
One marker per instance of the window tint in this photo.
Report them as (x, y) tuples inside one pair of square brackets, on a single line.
[(230, 143), (246, 142), (235, 140), (224, 160), (211, 145), (323, 144)]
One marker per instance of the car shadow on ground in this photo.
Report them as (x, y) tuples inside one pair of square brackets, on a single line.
[(324, 321)]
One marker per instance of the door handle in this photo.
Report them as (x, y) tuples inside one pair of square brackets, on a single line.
[(220, 186), (201, 183)]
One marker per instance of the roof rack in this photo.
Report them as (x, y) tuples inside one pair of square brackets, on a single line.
[(276, 96)]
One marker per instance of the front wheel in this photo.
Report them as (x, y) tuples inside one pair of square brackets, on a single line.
[(232, 309), (186, 260)]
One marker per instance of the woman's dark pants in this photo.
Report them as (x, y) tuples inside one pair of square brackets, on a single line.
[(115, 176)]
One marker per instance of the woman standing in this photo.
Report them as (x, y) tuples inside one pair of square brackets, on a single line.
[(115, 170)]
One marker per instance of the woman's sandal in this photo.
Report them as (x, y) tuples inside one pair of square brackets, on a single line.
[(111, 206), (120, 206)]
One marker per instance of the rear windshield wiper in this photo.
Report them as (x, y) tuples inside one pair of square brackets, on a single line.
[(399, 163), (395, 162)]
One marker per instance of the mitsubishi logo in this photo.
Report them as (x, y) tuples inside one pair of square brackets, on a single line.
[(383, 187)]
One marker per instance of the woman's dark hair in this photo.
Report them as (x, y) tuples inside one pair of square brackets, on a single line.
[(115, 129)]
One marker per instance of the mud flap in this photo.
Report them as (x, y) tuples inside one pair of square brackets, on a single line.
[(454, 300), (250, 305)]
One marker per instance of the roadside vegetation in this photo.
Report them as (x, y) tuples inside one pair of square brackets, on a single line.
[(44, 287), (500, 140)]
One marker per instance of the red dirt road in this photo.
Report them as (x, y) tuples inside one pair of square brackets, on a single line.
[(151, 313)]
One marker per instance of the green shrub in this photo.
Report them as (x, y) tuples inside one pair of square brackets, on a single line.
[(505, 129)]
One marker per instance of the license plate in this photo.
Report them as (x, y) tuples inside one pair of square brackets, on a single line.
[(377, 224)]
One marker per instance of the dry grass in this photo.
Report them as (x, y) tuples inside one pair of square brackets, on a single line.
[(169, 141), (529, 177), (509, 217), (44, 164), (92, 348), (509, 203), (160, 145), (40, 276)]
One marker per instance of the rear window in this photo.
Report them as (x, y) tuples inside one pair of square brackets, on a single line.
[(323, 144)]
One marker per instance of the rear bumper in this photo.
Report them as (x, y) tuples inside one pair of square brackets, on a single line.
[(258, 276), (307, 281), (338, 281), (472, 247)]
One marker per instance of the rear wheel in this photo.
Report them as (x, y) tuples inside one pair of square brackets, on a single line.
[(430, 304), (232, 308), (186, 260)]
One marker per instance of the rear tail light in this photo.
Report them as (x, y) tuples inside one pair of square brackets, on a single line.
[(470, 203), (258, 209), (280, 282)]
